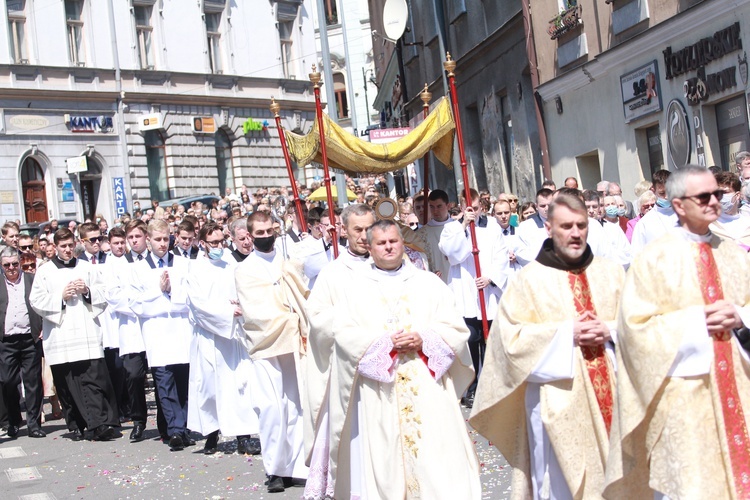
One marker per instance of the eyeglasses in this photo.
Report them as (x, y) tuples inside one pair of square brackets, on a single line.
[(95, 239), (703, 199), (9, 265), (28, 267), (26, 247), (214, 244), (648, 206)]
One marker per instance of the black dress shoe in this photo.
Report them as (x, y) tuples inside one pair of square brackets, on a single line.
[(275, 484), (137, 434), (76, 435), (187, 439), (12, 431), (37, 433), (290, 482), (105, 432), (468, 401), (248, 445), (212, 441), (175, 443)]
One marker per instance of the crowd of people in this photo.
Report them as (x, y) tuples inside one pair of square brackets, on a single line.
[(602, 347)]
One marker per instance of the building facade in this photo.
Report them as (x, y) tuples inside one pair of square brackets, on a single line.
[(103, 103), (633, 86), (496, 98)]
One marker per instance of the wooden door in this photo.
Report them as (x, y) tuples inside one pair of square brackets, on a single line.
[(34, 192)]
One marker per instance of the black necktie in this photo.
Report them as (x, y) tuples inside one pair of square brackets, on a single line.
[(506, 231), (140, 257)]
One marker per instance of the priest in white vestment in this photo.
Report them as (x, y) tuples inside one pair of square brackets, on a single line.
[(272, 293), (429, 234), (219, 397), (401, 363), (69, 295), (546, 395)]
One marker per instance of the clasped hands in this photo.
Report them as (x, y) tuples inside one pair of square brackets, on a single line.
[(406, 341), (589, 330), (74, 288), (721, 316), (164, 284)]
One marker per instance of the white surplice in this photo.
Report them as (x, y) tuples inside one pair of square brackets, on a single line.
[(657, 222), (71, 329), (110, 270), (120, 294), (430, 234), (221, 373), (167, 332), (618, 246)]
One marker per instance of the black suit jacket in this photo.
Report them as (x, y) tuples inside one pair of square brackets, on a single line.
[(193, 252), (34, 319), (101, 257)]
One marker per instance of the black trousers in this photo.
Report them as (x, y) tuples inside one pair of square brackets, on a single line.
[(86, 394), (21, 358), (117, 377), (171, 383), (134, 370), (476, 348)]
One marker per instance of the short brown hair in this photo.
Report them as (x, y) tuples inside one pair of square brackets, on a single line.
[(257, 217), (136, 224), (63, 234), (117, 232), (87, 227)]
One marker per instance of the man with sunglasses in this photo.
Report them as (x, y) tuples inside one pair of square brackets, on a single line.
[(682, 375), (25, 243), (20, 349), (732, 224), (90, 237)]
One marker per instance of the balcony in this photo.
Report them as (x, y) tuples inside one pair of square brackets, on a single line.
[(564, 22)]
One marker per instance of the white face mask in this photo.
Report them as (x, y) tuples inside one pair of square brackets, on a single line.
[(727, 204)]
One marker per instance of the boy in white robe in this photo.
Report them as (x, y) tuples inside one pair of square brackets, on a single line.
[(219, 396)]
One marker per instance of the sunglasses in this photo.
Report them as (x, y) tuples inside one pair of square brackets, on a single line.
[(27, 267), (25, 247), (9, 265), (95, 239), (703, 199)]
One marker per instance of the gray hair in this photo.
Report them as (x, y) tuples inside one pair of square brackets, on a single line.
[(741, 156), (237, 224), (381, 225), (8, 252), (676, 182), (610, 186), (358, 209)]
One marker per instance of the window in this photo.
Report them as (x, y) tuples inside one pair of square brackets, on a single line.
[(224, 162), (332, 13), (144, 32), (214, 42), (157, 165), (287, 54), (655, 154), (339, 90), (73, 9), (17, 31)]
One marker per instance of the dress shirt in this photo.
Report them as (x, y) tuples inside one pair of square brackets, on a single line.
[(17, 315)]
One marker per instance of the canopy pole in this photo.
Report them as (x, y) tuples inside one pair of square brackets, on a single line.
[(426, 97), (315, 79), (275, 108), (450, 66)]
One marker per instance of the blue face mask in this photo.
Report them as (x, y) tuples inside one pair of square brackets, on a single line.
[(215, 253), (611, 211), (663, 202)]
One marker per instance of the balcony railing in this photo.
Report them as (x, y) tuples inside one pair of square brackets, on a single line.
[(565, 21)]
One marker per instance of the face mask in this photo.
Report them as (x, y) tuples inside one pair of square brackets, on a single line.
[(265, 244), (215, 253), (621, 212), (726, 202), (611, 211), (663, 202)]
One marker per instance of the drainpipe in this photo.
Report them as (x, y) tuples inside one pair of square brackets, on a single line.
[(120, 107), (531, 54)]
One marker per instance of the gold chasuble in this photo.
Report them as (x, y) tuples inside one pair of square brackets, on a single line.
[(683, 395), (576, 412)]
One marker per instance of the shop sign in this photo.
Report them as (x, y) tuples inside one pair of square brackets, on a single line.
[(89, 123), (77, 164), (641, 93), (28, 122), (380, 136), (251, 125), (150, 122), (696, 56), (678, 135), (68, 194), (203, 125), (121, 201), (700, 150)]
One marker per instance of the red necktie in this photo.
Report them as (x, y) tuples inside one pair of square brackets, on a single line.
[(93, 259), (735, 428), (594, 356)]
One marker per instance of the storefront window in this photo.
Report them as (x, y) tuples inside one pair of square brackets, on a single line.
[(224, 168), (157, 165), (731, 121)]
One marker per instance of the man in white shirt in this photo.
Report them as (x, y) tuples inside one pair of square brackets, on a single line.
[(316, 250), (183, 242), (429, 234), (658, 221), (531, 232), (731, 224)]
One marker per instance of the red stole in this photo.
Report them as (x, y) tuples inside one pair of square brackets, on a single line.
[(735, 428), (594, 356)]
